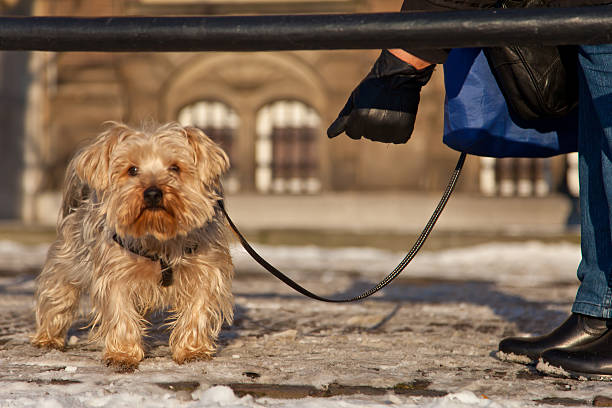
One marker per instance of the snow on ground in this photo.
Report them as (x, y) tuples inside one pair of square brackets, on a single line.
[(498, 262), (428, 340), (223, 396)]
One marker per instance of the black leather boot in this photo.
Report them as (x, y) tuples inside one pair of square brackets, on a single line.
[(577, 330), (592, 361)]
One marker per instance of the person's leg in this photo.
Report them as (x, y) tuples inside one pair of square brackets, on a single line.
[(594, 297), (593, 305)]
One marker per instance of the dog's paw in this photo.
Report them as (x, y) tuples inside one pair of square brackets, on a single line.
[(187, 356), (43, 341), (121, 363)]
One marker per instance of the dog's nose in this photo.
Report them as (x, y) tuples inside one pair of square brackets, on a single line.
[(152, 196)]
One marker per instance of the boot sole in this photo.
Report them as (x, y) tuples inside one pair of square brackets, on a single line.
[(554, 371), (514, 358)]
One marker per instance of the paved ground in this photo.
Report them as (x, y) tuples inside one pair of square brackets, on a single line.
[(403, 213), (433, 332), (394, 220)]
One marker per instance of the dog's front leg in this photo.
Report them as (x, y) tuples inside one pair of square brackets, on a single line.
[(203, 301), (121, 295), (119, 325)]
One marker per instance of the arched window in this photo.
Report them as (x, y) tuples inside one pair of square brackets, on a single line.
[(220, 122), (285, 150)]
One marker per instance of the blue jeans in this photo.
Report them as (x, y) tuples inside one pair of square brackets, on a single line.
[(594, 297)]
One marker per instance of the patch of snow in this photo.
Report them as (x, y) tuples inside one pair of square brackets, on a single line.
[(508, 263), (515, 264), (16, 257)]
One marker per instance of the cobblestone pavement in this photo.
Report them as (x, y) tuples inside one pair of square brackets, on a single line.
[(433, 332)]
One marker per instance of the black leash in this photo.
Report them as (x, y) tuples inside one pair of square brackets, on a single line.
[(398, 269)]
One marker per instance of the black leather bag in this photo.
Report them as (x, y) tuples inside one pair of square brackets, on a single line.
[(536, 81)]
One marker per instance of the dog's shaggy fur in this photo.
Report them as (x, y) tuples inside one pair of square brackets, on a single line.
[(154, 192)]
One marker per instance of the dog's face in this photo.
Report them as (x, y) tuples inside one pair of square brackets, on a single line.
[(161, 183)]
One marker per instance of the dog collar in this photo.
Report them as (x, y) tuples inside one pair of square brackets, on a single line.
[(166, 270)]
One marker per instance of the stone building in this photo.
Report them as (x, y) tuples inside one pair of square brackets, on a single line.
[(269, 110)]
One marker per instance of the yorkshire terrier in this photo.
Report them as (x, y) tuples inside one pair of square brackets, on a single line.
[(140, 229)]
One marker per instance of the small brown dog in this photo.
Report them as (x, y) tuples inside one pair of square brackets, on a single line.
[(140, 229)]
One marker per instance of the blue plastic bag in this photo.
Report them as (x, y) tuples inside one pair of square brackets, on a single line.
[(477, 121)]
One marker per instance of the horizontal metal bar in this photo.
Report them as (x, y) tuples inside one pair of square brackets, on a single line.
[(585, 25)]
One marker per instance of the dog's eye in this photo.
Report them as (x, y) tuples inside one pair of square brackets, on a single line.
[(133, 171), (174, 168)]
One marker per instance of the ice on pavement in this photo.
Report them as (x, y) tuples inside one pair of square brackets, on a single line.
[(496, 262), (223, 397), (514, 265)]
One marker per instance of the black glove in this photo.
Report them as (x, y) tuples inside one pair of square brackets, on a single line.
[(383, 107)]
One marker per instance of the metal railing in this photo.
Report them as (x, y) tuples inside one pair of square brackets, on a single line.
[(585, 25)]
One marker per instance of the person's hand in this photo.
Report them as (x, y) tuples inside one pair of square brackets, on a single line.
[(384, 105)]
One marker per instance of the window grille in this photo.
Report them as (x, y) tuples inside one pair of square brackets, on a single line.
[(286, 149)]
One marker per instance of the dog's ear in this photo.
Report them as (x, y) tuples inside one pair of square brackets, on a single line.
[(211, 160), (92, 163)]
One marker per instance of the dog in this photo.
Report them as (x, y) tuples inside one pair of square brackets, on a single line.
[(140, 229)]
